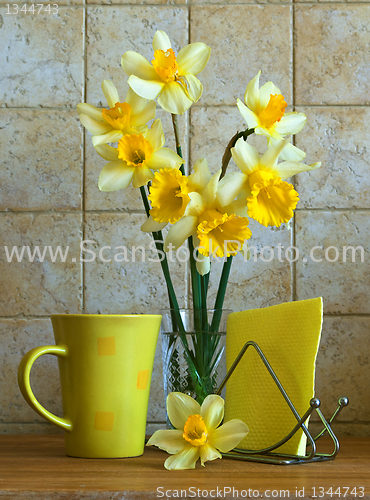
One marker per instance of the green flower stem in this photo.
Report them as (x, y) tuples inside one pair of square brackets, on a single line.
[(221, 294), (195, 283), (158, 239), (177, 139), (203, 292), (227, 155), (205, 343)]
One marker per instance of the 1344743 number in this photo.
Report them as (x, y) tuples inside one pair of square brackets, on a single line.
[(34, 8), (341, 491)]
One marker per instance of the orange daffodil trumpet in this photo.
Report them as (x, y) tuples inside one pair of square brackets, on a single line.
[(169, 78), (134, 159), (270, 199), (197, 433), (110, 125), (265, 113)]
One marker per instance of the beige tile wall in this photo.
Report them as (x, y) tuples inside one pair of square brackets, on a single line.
[(317, 53)]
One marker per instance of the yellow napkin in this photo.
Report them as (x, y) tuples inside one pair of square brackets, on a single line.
[(289, 336)]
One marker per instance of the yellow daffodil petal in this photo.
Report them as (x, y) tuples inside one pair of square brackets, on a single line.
[(290, 152), (245, 156), (149, 89), (179, 232), (173, 98), (272, 154), (287, 169), (271, 132), (151, 226), (209, 192), (193, 58), (168, 195), (221, 233), (135, 64), (251, 96), (291, 123), (186, 459), (112, 136), (228, 435), (146, 114), (179, 408), (107, 152), (212, 411), (110, 93), (201, 176), (91, 111), (208, 452), (168, 440), (161, 41), (93, 126), (230, 186), (156, 135), (272, 202), (136, 102), (164, 158), (249, 116), (115, 175), (196, 204), (238, 207), (193, 87), (265, 93), (142, 175)]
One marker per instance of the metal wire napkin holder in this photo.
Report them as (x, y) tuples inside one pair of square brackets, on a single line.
[(267, 455)]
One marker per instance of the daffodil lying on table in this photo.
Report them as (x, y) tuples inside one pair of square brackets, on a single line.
[(210, 212), (197, 433)]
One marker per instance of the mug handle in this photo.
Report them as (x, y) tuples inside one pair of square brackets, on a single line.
[(24, 371)]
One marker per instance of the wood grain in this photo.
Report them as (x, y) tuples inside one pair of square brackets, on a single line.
[(35, 467)]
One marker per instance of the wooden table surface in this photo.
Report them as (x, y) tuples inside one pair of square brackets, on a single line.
[(36, 467)]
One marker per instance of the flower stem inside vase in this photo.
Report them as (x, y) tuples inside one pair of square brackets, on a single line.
[(194, 362)]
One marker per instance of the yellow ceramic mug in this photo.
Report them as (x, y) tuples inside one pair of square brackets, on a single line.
[(105, 365)]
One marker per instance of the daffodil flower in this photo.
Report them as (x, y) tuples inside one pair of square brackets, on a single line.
[(270, 200), (169, 194), (217, 229), (109, 125), (191, 204), (265, 113), (172, 79), (197, 433), (134, 159)]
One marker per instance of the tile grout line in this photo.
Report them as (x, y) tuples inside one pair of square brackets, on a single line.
[(82, 264), (196, 106), (141, 212), (204, 4), (293, 232), (187, 138)]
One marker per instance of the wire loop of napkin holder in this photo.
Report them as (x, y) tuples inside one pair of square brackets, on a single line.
[(267, 455)]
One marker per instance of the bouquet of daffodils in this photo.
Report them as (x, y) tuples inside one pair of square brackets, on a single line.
[(211, 212)]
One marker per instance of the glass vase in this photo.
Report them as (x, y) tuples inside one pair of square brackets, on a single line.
[(194, 355)]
